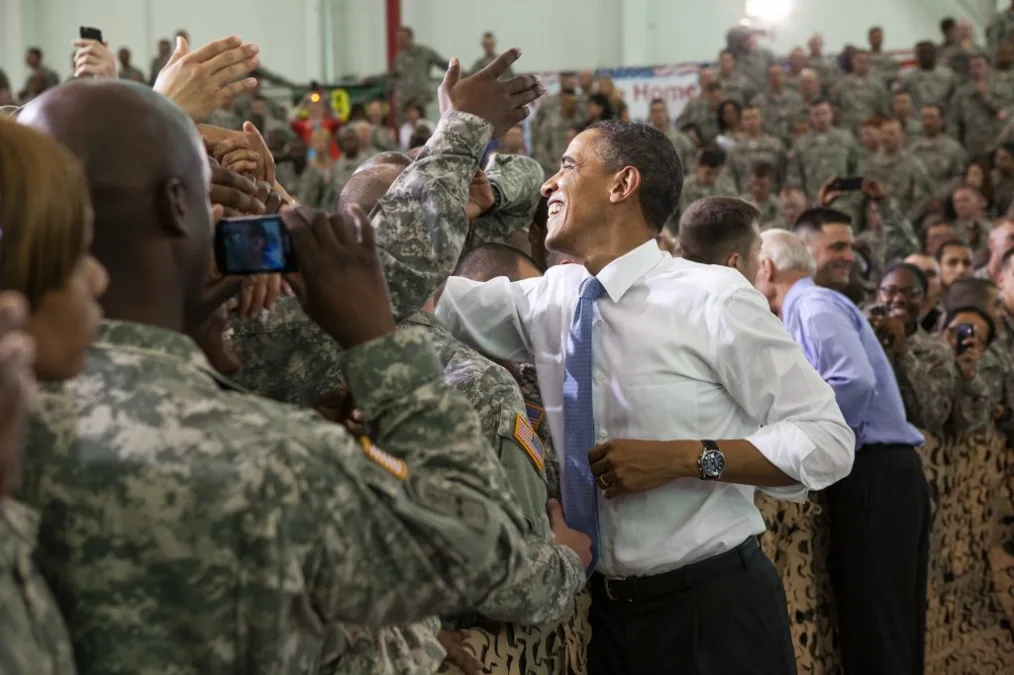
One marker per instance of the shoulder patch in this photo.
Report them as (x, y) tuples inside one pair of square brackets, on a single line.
[(536, 414), (389, 463), (529, 440)]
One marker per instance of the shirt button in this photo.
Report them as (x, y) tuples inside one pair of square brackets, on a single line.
[(602, 435)]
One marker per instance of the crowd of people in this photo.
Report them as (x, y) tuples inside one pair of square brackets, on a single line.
[(512, 412)]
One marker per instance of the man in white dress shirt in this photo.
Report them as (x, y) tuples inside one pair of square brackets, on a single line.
[(692, 394)]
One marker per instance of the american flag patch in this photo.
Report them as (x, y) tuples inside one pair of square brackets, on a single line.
[(389, 463), (527, 439), (535, 414)]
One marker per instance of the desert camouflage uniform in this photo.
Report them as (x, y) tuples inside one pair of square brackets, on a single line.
[(815, 157), (904, 178), (771, 211), (193, 527), (884, 67), (857, 98), (781, 111), (977, 121), (723, 187), (411, 72), (943, 157), (740, 160), (936, 396), (736, 87), (931, 87), (698, 113), (33, 639), (420, 228)]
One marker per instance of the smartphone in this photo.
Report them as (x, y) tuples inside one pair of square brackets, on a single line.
[(847, 185), (964, 334), (91, 34), (255, 245), (878, 310)]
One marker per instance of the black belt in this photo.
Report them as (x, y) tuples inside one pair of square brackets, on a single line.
[(634, 589)]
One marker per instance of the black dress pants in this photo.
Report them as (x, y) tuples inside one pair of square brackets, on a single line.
[(880, 520), (722, 616)]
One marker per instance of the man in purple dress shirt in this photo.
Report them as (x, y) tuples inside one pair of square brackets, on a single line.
[(879, 514)]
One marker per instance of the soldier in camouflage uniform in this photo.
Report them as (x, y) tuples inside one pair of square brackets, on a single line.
[(658, 117), (707, 180), (752, 60), (977, 112), (943, 157), (1000, 29), (883, 65), (859, 94), (755, 146), (960, 54), (550, 130), (822, 153), (900, 172), (33, 638), (780, 106), (902, 110), (701, 112), (735, 85), (762, 195), (826, 67), (878, 219), (797, 63), (411, 71), (930, 83), (346, 165), (489, 55)]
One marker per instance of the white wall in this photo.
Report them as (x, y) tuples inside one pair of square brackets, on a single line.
[(289, 33)]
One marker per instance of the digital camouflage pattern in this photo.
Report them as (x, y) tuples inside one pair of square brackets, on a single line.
[(549, 135), (517, 181), (685, 148), (904, 178), (692, 191), (754, 65), (420, 228), (528, 381), (931, 87), (937, 398), (736, 87), (748, 151), (191, 527), (387, 650), (1000, 29), (770, 212), (781, 111), (943, 157), (896, 237), (856, 98), (884, 67), (977, 120), (34, 640), (817, 156), (698, 113), (411, 74)]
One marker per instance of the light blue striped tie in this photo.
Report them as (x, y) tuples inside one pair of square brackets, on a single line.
[(579, 495)]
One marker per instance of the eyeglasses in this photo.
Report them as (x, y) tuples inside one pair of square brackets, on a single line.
[(909, 293)]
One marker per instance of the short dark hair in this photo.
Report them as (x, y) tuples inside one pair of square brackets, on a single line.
[(489, 261), (901, 90), (649, 151), (814, 220), (488, 34), (407, 30), (762, 170), (656, 101), (603, 102), (36, 51), (713, 228), (711, 157), (820, 101), (925, 44), (875, 28), (950, 243), (947, 23), (917, 274), (939, 108), (414, 105)]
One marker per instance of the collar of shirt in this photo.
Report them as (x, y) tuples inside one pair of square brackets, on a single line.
[(797, 290), (618, 276)]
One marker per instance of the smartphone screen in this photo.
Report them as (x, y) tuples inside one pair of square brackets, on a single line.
[(964, 334), (847, 185), (91, 34), (258, 245)]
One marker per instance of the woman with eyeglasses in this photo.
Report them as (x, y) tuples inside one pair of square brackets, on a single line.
[(937, 373)]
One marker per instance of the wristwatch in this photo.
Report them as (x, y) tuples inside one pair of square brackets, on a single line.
[(711, 463)]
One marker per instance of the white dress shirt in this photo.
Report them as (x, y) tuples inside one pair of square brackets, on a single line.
[(680, 351)]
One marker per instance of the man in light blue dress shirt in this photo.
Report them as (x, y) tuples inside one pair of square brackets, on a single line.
[(879, 514)]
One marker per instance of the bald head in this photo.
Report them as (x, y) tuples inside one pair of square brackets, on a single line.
[(149, 177), (366, 187), (389, 157)]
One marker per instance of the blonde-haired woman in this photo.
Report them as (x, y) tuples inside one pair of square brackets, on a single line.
[(45, 237)]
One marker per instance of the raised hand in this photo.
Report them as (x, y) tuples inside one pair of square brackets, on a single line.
[(203, 81), (502, 103)]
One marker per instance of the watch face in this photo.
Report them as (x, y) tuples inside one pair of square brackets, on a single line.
[(712, 464)]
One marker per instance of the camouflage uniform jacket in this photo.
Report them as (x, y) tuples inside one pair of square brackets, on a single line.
[(895, 240), (781, 112), (420, 228), (754, 64), (977, 120), (885, 68), (771, 211), (412, 74), (549, 136), (736, 87), (314, 184), (34, 640), (943, 157), (517, 183), (815, 157), (169, 496), (1000, 29), (685, 148), (723, 187), (341, 171), (857, 98), (698, 113), (931, 87), (748, 151), (936, 397), (904, 178), (386, 650)]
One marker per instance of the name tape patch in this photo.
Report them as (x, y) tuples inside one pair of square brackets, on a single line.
[(529, 440), (535, 414), (389, 463)]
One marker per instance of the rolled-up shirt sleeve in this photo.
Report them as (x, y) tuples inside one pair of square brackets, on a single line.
[(803, 432)]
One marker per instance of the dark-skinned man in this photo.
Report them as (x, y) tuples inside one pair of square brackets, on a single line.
[(671, 517), (192, 487)]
